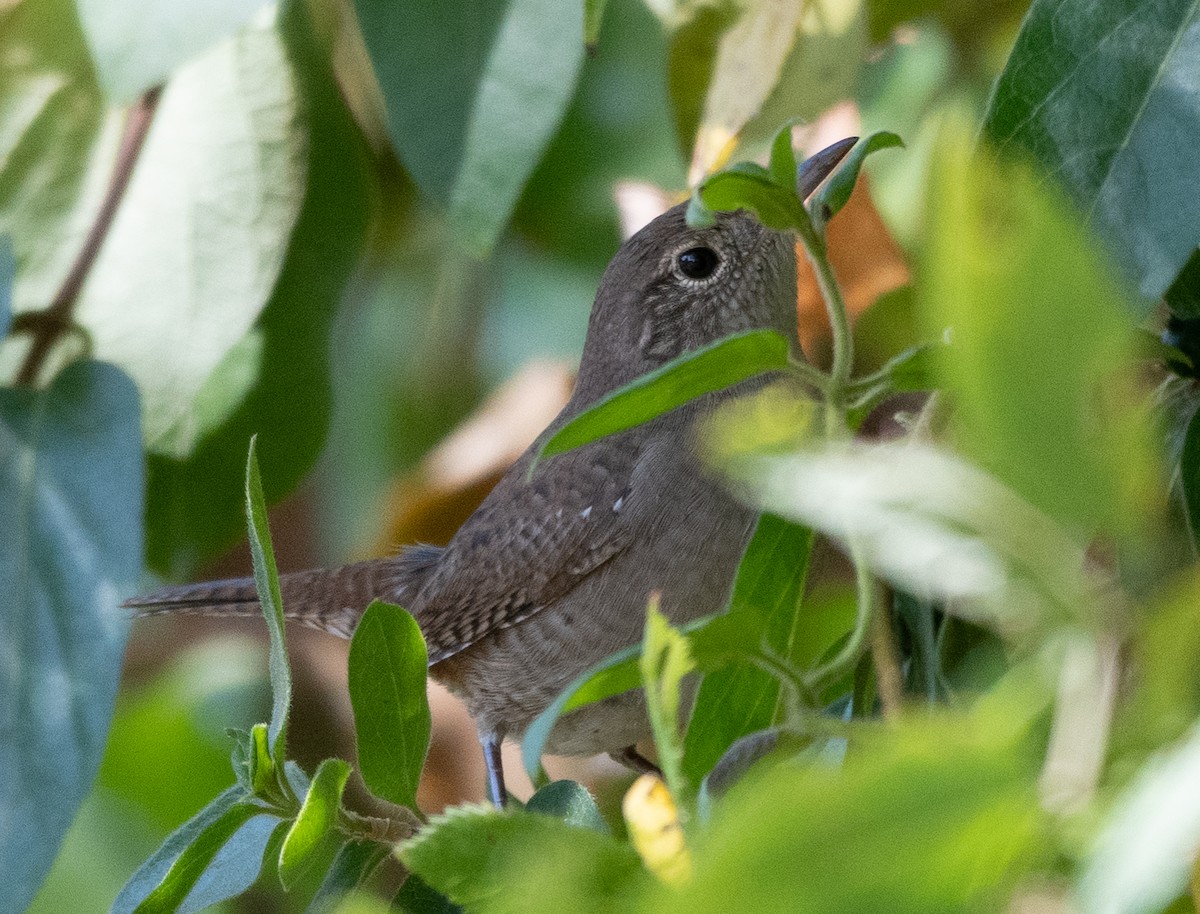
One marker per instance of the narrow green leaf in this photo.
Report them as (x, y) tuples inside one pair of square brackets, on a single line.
[(776, 207), (666, 660), (391, 709), (569, 801), (691, 375), (353, 865), (187, 869), (1189, 477), (829, 200), (70, 545), (8, 271), (783, 158), (519, 861), (1183, 296), (315, 822), (264, 775), (593, 18), (266, 580), (741, 699), (416, 896)]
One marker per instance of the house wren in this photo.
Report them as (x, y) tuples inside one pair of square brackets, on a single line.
[(552, 573)]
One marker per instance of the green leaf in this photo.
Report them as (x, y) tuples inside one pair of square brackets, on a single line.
[(274, 381), (266, 581), (693, 374), (137, 46), (353, 865), (666, 660), (70, 544), (783, 158), (593, 18), (417, 897), (829, 200), (569, 801), (231, 871), (8, 270), (1183, 296), (495, 77), (1037, 327), (741, 699), (1189, 477), (391, 709), (691, 57), (315, 822), (518, 861), (776, 207), (1116, 128)]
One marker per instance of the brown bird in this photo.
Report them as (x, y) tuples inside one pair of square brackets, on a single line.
[(552, 574)]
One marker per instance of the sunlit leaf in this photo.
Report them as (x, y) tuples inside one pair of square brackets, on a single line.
[(742, 188), (315, 822)]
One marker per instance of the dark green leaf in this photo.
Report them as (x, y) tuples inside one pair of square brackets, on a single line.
[(417, 897), (316, 821), (776, 207), (266, 580), (352, 866), (691, 375), (70, 544), (469, 70), (518, 861), (924, 674), (569, 801), (1183, 297), (593, 18), (829, 200), (8, 270), (1102, 96), (741, 698), (391, 709), (1189, 477)]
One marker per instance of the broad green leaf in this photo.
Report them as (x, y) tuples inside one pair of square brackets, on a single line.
[(266, 581), (1148, 846), (569, 801), (391, 710), (691, 375), (933, 816), (1103, 97), (523, 862), (416, 897), (353, 865), (666, 660), (138, 45), (495, 77), (776, 207), (232, 870), (315, 822), (70, 544), (741, 698), (274, 382), (1037, 328), (1189, 476), (829, 200)]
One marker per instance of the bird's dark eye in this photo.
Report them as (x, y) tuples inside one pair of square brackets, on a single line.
[(698, 263)]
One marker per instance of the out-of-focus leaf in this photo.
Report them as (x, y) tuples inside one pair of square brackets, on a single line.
[(391, 710), (1037, 328), (315, 821), (666, 660), (829, 200), (8, 270), (593, 18), (275, 381), (1189, 477), (234, 858), (1183, 296), (569, 801), (741, 699), (138, 45), (518, 861), (468, 70), (1103, 97), (691, 56), (266, 580), (352, 866), (691, 375), (417, 897), (70, 542), (1147, 849)]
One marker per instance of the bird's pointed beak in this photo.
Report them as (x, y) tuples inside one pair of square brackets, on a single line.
[(819, 166)]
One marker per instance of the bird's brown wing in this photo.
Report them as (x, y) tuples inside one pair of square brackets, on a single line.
[(531, 542)]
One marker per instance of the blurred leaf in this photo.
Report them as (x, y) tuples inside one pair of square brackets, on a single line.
[(1149, 844), (353, 865), (8, 270), (593, 18), (228, 128), (569, 801), (315, 822), (1183, 296), (523, 863), (656, 829), (741, 698), (138, 45), (1102, 96), (829, 200), (213, 856), (1038, 330), (471, 71), (933, 816), (691, 57), (750, 187), (416, 897), (391, 710), (70, 543), (266, 581), (713, 367), (1189, 477), (666, 660), (886, 328)]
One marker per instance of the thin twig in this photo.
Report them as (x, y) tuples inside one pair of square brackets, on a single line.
[(56, 318), (886, 658)]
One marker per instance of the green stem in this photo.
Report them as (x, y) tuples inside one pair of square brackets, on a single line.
[(810, 374), (835, 307), (855, 647)]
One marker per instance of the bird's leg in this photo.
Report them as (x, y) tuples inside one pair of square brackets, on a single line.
[(631, 758), (495, 769)]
